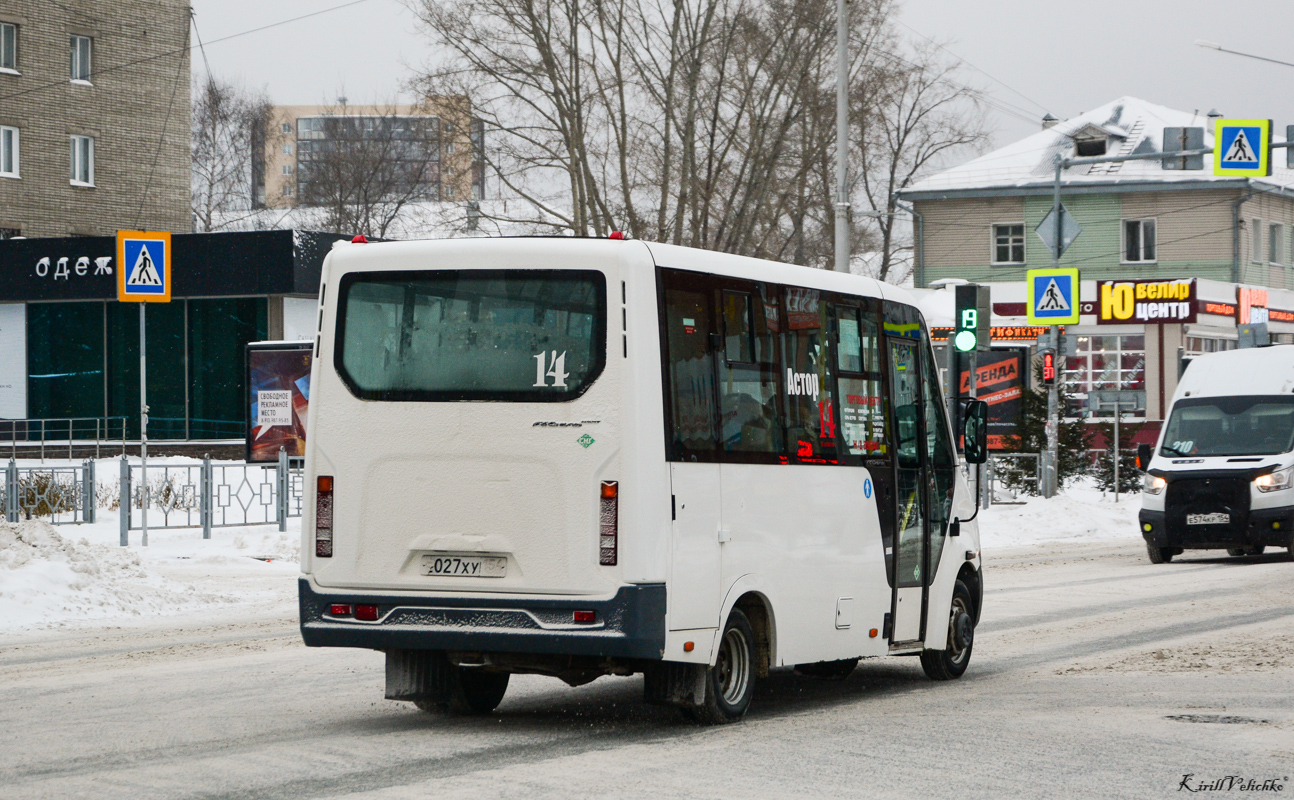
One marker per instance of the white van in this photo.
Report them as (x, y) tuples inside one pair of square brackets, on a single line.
[(580, 457), (1220, 477)]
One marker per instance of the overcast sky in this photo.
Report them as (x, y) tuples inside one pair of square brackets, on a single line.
[(1063, 57)]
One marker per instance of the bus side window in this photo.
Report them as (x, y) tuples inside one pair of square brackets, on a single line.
[(748, 400), (690, 370), (859, 388), (808, 373)]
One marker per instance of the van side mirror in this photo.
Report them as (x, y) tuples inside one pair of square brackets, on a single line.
[(1144, 454), (975, 432)]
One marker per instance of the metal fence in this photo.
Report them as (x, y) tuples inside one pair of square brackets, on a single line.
[(64, 494), (1010, 474), (210, 495), (54, 434)]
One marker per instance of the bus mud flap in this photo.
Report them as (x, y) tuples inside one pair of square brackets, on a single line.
[(671, 683), (418, 675)]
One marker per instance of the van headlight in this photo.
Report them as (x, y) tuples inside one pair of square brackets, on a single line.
[(1275, 481), (1152, 484)]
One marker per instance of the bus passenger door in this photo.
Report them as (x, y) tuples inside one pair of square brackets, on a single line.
[(910, 496), (693, 594)]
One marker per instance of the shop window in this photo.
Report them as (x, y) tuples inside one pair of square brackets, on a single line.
[(166, 368), (1199, 345), (219, 331), (1008, 244), (65, 373), (1106, 362)]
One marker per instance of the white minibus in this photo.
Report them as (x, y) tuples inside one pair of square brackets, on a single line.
[(585, 457), (1220, 477)]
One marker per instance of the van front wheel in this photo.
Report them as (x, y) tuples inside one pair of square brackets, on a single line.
[(951, 662), (730, 683)]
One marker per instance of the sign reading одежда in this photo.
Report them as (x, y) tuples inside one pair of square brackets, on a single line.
[(1145, 302)]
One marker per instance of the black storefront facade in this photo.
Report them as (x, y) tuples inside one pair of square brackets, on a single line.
[(68, 349)]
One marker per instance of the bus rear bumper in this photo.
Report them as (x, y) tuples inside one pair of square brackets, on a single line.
[(629, 625)]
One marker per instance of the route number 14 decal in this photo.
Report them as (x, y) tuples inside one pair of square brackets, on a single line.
[(556, 370)]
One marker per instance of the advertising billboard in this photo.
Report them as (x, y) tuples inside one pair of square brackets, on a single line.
[(999, 381), (1145, 302), (278, 380)]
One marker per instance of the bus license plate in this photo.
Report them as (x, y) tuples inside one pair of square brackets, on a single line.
[(465, 566), (1208, 519)]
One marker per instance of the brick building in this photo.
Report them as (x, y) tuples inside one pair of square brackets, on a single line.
[(94, 117)]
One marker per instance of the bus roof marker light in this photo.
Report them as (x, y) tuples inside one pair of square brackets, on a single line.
[(359, 239), (618, 235)]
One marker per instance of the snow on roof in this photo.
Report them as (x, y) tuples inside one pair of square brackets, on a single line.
[(1135, 126)]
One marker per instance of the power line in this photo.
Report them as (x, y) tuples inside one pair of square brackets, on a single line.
[(972, 66), (179, 71), (186, 47)]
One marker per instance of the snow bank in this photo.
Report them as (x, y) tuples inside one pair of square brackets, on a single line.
[(1080, 512), (47, 580)]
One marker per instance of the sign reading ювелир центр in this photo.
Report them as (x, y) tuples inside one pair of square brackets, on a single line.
[(1145, 302)]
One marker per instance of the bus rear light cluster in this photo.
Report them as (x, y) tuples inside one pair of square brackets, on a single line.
[(366, 613), (585, 617), (609, 524), (339, 610), (323, 517)]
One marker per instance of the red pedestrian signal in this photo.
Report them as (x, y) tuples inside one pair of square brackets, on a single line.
[(1049, 368)]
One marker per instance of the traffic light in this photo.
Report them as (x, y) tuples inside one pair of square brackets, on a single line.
[(971, 326), (1049, 368)]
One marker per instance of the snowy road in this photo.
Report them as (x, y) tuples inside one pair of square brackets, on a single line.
[(1085, 657)]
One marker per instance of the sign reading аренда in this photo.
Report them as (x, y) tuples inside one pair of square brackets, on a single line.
[(1145, 302)]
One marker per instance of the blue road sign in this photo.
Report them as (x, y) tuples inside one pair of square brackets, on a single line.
[(1053, 296)]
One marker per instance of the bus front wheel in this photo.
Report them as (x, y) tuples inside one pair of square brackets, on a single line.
[(951, 662), (730, 683)]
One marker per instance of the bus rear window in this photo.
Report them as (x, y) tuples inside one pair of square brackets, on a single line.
[(502, 335)]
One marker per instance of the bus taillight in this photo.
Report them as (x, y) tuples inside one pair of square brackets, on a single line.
[(323, 517), (608, 524)]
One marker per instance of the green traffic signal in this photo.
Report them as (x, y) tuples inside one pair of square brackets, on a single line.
[(965, 341)]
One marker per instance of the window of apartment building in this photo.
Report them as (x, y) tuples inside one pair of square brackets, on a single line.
[(82, 160), (8, 47), (286, 127), (288, 191), (81, 48), (1255, 239), (1008, 244), (8, 152), (287, 149), (1138, 240), (287, 169), (1276, 244)]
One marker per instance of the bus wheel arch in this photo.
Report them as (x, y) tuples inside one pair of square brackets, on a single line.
[(974, 581), (758, 611)]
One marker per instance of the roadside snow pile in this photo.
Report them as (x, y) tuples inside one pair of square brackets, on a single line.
[(48, 581), (1080, 512)]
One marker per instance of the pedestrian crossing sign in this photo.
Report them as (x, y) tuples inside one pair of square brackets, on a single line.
[(1053, 296), (1242, 148), (143, 267)]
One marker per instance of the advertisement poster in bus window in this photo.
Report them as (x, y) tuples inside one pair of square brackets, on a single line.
[(862, 416), (999, 381), (278, 378)]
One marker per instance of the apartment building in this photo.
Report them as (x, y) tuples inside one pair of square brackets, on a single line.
[(94, 117), (429, 152)]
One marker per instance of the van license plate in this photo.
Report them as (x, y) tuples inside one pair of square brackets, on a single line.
[(465, 566), (1208, 519)]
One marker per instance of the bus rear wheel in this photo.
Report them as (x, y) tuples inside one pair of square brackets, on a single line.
[(1256, 550), (730, 683), (472, 692), (951, 662)]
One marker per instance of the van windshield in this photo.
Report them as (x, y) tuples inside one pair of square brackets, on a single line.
[(519, 335), (1230, 426)]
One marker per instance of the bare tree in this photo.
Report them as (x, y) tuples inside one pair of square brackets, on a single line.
[(910, 116), (229, 123), (700, 122), (365, 169)]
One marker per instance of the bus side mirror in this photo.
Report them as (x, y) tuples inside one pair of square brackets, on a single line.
[(1144, 453), (975, 434)]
